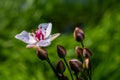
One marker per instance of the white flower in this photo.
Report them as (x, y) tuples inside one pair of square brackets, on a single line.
[(40, 38)]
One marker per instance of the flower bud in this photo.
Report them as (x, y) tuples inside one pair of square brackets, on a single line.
[(79, 34), (62, 77), (87, 52), (61, 51), (42, 53), (60, 66), (80, 78), (86, 63), (79, 51), (75, 65)]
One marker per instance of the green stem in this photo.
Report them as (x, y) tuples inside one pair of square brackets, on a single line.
[(89, 73), (48, 60), (80, 58), (85, 76), (90, 77), (82, 44), (76, 76), (68, 68)]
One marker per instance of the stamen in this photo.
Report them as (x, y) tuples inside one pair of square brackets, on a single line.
[(40, 27), (39, 35), (32, 31)]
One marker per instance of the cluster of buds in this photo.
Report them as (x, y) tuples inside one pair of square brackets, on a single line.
[(83, 57), (79, 67)]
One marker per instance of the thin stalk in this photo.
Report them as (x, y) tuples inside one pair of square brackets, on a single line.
[(48, 60), (82, 44), (80, 58), (90, 77), (68, 68), (85, 76), (76, 76), (89, 74)]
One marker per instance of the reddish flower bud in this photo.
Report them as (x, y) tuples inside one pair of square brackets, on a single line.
[(61, 51), (60, 66), (79, 79), (79, 51), (75, 65), (86, 63), (87, 52), (62, 77), (42, 53), (79, 34)]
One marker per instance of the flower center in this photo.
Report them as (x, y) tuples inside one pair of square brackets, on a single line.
[(39, 35)]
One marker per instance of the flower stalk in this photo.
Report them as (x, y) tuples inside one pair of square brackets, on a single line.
[(76, 75), (54, 70), (85, 54), (68, 68), (82, 44)]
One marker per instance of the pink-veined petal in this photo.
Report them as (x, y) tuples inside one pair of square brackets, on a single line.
[(46, 29), (54, 36), (31, 46), (26, 37), (44, 43)]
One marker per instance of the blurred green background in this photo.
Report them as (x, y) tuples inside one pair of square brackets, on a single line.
[(100, 20)]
